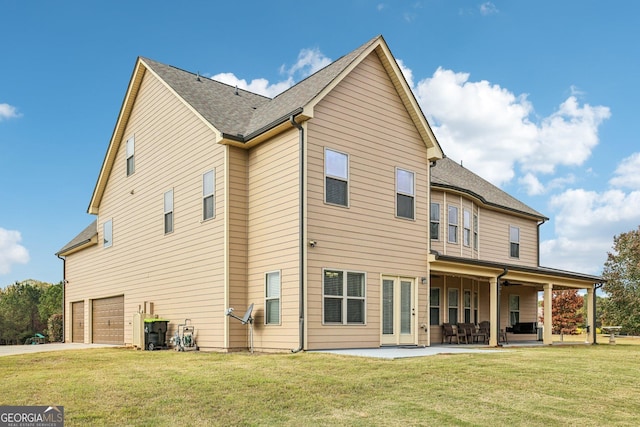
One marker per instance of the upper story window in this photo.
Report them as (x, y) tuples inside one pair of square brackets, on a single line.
[(405, 194), (272, 298), (514, 242), (107, 234), (434, 306), (466, 224), (168, 212), (453, 224), (475, 232), (344, 297), (435, 221), (208, 196), (131, 148), (336, 172)]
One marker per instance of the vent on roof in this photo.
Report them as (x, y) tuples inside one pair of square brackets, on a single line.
[(198, 76), (236, 89)]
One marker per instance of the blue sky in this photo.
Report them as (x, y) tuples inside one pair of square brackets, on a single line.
[(538, 97)]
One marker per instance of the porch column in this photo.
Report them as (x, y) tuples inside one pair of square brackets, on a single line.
[(547, 337), (591, 315), (493, 311)]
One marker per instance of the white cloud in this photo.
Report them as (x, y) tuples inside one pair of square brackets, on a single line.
[(309, 61), (628, 173), (488, 8), (11, 252), (381, 6), (8, 112), (475, 120), (585, 224), (533, 186), (406, 72)]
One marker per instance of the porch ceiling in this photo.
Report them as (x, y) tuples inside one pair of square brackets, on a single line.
[(516, 274)]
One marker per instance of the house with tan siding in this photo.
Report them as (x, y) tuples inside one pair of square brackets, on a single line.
[(331, 208)]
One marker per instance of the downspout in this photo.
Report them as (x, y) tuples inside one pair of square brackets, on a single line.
[(498, 286), (64, 285), (301, 172), (538, 251)]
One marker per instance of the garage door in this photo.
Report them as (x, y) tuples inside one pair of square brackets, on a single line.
[(108, 320), (77, 321)]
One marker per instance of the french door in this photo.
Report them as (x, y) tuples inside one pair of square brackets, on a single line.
[(398, 311)]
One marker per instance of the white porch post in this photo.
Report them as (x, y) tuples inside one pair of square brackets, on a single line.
[(547, 338), (493, 311), (591, 314)]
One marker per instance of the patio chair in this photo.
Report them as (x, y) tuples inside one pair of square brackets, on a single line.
[(449, 332)]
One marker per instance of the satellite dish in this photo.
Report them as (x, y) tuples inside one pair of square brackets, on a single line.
[(246, 319)]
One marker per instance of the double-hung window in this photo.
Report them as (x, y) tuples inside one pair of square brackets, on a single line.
[(435, 221), (344, 297), (514, 242), (208, 195), (466, 223), (336, 172), (453, 306), (168, 212), (434, 306), (475, 232), (453, 224), (405, 194), (131, 165), (467, 305), (514, 309), (272, 298), (107, 234)]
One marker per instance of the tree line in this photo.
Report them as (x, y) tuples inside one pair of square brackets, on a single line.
[(28, 308)]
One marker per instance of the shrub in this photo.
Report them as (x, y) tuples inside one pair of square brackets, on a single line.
[(54, 327)]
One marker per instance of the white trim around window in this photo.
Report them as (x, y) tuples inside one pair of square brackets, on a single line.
[(208, 195), (168, 212), (107, 234), (130, 154), (452, 219), (272, 302), (434, 231), (344, 297), (405, 194), (514, 242), (336, 178)]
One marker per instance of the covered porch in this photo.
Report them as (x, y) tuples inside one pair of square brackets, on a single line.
[(506, 296)]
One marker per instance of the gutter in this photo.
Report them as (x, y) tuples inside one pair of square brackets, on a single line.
[(301, 266), (279, 121)]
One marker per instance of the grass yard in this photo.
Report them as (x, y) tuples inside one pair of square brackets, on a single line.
[(546, 386)]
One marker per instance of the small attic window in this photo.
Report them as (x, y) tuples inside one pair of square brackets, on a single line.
[(130, 156)]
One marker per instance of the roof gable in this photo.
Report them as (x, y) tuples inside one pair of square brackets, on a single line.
[(245, 118)]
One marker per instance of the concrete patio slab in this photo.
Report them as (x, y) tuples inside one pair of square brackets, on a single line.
[(405, 352)]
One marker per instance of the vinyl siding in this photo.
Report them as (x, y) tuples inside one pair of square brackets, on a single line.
[(493, 232), (364, 118), (172, 151), (237, 243), (272, 236)]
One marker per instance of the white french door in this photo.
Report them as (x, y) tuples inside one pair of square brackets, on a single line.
[(398, 311)]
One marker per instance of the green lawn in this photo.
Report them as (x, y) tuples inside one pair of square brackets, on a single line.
[(560, 385)]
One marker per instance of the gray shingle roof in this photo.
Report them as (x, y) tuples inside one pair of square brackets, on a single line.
[(240, 113), (449, 174), (85, 236)]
